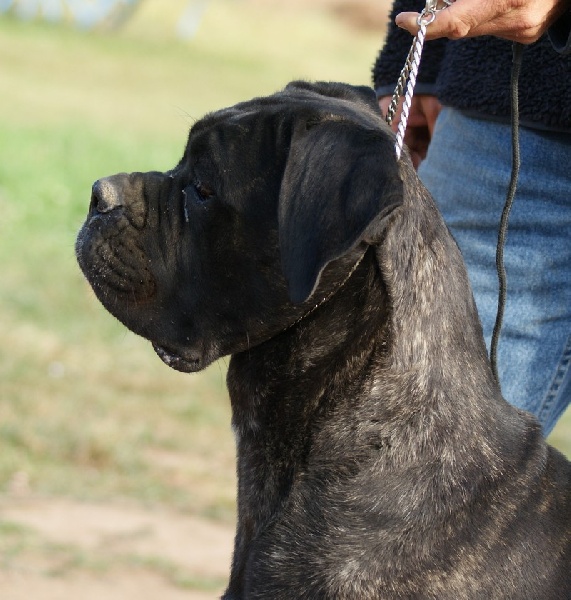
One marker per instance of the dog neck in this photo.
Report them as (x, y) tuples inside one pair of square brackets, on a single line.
[(289, 386), (402, 335), (386, 378)]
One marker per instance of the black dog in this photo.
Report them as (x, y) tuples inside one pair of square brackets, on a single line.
[(376, 457)]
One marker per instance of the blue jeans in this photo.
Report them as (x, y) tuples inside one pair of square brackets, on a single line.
[(467, 170)]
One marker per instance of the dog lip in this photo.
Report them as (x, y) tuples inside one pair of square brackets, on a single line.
[(176, 361)]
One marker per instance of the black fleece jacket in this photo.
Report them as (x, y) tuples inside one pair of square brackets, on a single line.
[(473, 74)]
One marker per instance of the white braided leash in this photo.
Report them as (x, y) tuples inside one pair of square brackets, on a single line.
[(415, 63), (410, 71)]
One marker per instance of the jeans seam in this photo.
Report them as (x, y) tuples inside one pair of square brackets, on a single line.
[(560, 372)]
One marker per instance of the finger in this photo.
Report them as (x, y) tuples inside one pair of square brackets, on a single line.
[(456, 22), (446, 24), (416, 159), (431, 108), (417, 140)]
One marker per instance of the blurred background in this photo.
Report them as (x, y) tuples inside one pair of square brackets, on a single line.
[(117, 473)]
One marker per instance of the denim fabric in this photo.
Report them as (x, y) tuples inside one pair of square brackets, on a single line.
[(467, 170)]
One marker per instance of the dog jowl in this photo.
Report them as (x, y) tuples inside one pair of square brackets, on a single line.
[(376, 457)]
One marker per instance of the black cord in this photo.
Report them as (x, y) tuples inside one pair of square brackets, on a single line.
[(502, 233)]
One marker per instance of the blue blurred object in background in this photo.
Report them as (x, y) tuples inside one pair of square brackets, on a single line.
[(88, 14)]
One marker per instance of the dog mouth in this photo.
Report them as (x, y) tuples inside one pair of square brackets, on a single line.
[(176, 361)]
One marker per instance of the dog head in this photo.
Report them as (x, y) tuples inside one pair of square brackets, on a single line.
[(270, 207)]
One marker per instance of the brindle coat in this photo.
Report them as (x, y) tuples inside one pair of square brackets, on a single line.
[(377, 459)]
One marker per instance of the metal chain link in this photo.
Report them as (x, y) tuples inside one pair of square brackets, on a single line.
[(410, 71)]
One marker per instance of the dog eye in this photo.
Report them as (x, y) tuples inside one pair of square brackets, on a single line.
[(203, 191), (196, 193)]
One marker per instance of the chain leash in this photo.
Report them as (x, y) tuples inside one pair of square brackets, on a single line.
[(410, 70), (408, 76)]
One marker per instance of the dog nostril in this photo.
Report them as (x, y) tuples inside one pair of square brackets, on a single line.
[(104, 196)]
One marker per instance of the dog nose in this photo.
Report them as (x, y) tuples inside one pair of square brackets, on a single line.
[(106, 195)]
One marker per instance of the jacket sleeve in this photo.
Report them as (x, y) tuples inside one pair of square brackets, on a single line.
[(560, 33), (392, 55)]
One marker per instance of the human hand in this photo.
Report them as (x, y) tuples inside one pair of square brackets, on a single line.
[(422, 117), (522, 21)]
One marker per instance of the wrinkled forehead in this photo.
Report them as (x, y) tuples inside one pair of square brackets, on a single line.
[(244, 139), (226, 131), (277, 114)]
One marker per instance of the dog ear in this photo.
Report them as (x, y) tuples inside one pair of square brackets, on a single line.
[(340, 179)]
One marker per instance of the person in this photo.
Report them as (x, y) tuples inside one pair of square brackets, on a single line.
[(459, 137)]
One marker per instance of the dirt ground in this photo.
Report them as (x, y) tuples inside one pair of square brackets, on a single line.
[(68, 549)]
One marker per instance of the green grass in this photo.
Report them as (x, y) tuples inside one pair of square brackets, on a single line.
[(86, 408)]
